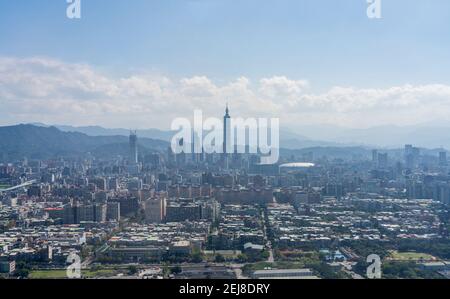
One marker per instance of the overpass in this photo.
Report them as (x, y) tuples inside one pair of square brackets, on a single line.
[(26, 184)]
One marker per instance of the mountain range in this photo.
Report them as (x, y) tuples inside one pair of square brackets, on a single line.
[(386, 137), (389, 136), (38, 142), (289, 139)]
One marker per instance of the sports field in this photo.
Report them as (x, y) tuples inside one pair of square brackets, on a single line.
[(411, 256), (61, 274)]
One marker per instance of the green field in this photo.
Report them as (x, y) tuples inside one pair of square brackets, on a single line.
[(61, 274), (227, 254), (276, 265), (411, 256)]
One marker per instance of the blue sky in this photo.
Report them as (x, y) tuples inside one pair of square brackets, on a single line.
[(322, 58), (329, 42)]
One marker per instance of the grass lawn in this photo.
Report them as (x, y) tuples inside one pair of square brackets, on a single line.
[(227, 254), (48, 274), (61, 274), (411, 256)]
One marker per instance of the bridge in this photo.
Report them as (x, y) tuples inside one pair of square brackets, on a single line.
[(26, 184)]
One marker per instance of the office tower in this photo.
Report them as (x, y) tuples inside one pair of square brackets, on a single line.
[(180, 212), (180, 159), (100, 183), (173, 191), (133, 148), (86, 213), (155, 210), (374, 156), (113, 184), (129, 206), (408, 153), (113, 211), (153, 160), (408, 149), (416, 154), (382, 160), (410, 156), (185, 191), (196, 143), (134, 184), (443, 159), (211, 210), (334, 189), (414, 189), (70, 214), (100, 213), (34, 191), (170, 156)]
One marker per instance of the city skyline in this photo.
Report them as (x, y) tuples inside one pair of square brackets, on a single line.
[(255, 143)]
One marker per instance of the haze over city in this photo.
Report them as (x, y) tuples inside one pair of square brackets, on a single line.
[(145, 65)]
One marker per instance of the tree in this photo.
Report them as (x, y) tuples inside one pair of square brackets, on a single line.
[(265, 254), (22, 270), (132, 270), (197, 257), (242, 258), (176, 270), (219, 258), (22, 273)]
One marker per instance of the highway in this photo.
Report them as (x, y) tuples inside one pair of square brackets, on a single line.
[(26, 184)]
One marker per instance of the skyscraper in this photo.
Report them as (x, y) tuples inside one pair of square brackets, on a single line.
[(155, 210), (226, 129), (133, 148), (411, 156), (443, 159), (383, 160), (226, 136), (374, 156)]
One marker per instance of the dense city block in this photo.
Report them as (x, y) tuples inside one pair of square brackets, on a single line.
[(317, 214)]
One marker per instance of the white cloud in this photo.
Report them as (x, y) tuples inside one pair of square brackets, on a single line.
[(281, 86), (198, 87), (51, 91)]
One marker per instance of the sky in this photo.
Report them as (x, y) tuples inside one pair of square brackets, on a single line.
[(142, 63)]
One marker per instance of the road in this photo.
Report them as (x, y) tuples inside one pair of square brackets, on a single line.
[(85, 264), (347, 268), (237, 268), (271, 258), (29, 183)]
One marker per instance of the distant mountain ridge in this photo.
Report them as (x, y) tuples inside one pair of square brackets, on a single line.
[(390, 137), (100, 131), (288, 139), (41, 142)]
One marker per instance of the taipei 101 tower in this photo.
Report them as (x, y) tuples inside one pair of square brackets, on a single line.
[(226, 135)]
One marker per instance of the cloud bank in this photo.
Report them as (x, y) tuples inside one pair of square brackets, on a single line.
[(55, 92)]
